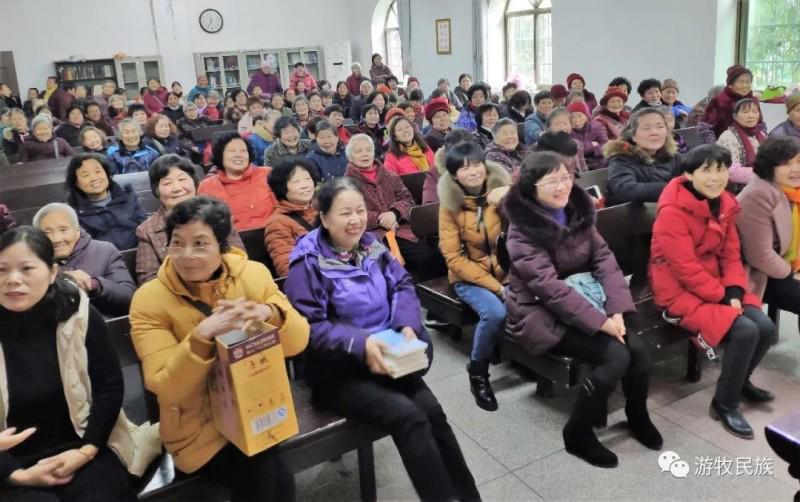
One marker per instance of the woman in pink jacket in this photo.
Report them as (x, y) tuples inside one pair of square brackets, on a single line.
[(155, 97), (300, 74), (408, 152)]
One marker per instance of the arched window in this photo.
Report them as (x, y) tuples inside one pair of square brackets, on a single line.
[(529, 41), (391, 40), (769, 41)]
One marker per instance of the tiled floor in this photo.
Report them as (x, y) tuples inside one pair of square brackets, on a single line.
[(516, 453)]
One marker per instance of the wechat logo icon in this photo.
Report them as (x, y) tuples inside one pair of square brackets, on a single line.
[(671, 462)]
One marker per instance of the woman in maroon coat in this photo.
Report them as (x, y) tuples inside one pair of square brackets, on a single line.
[(697, 276), (719, 112), (567, 295)]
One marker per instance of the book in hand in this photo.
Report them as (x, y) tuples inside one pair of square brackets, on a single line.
[(401, 357)]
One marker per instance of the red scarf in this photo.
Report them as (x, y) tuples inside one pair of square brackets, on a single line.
[(745, 133)]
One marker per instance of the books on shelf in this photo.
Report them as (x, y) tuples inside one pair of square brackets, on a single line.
[(402, 357)]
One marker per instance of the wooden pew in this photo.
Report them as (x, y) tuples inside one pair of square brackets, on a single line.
[(598, 177), (414, 183), (203, 134), (783, 436)]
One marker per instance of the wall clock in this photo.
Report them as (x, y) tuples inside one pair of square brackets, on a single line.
[(211, 20)]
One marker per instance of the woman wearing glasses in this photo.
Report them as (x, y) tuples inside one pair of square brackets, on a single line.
[(205, 289), (567, 295)]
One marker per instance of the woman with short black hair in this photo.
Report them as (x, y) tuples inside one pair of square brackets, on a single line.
[(287, 141), (478, 94), (650, 91), (518, 106)]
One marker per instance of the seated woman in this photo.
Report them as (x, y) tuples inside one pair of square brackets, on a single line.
[(287, 141), (131, 154), (71, 129), (116, 111), (389, 206), (468, 230), (95, 117), (742, 139), (558, 123), (536, 122), (174, 108), (591, 135), (327, 152), (302, 112), (162, 135), (408, 153), (84, 447), (506, 149), (642, 161), (485, 118), (669, 96), (477, 94), (93, 140), (315, 108), (380, 101), (432, 176), (106, 210), (96, 267), (519, 106), (790, 126), (349, 287), (768, 225), (233, 114), (155, 97), (173, 179), (174, 339), (577, 84), (650, 91), (239, 183), (719, 112), (42, 144), (437, 113), (293, 182), (371, 126), (567, 295), (17, 132), (697, 277)]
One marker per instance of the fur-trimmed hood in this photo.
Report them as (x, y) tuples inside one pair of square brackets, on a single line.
[(452, 196), (623, 147), (536, 223)]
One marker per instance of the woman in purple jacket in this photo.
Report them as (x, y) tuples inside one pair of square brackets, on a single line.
[(349, 287), (567, 295)]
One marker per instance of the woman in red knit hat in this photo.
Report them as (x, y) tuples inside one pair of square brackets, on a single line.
[(612, 115), (719, 112), (576, 83)]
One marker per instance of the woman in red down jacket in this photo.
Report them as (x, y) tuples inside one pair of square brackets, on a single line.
[(697, 276)]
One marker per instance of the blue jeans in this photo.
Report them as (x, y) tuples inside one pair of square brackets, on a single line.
[(492, 314)]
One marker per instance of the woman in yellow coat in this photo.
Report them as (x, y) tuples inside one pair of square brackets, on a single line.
[(468, 229), (205, 289)]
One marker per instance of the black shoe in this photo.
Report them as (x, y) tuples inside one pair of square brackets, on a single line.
[(635, 388), (732, 420), (756, 395), (480, 386), (579, 438)]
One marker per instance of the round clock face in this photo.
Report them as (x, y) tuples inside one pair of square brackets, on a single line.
[(211, 21)]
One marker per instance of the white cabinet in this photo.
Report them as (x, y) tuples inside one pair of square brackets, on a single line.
[(133, 73)]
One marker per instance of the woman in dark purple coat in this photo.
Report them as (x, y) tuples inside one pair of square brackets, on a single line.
[(567, 295)]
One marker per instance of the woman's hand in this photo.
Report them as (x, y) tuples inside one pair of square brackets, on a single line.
[(613, 328), (8, 438), (409, 334), (68, 462), (387, 220), (374, 356), (230, 315), (42, 475), (737, 304), (81, 278), (495, 197)]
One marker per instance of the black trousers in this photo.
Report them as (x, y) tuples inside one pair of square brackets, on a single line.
[(408, 410), (423, 260), (745, 343), (611, 359), (783, 294), (104, 479), (260, 478)]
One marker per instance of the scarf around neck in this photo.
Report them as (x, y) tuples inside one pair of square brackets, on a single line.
[(744, 134), (417, 156), (792, 255)]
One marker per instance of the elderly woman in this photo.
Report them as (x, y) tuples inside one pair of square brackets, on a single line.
[(577, 84), (506, 148), (239, 183), (591, 135), (302, 111), (790, 126), (408, 153), (61, 375), (468, 230), (567, 295), (155, 97), (650, 91), (612, 115), (131, 154), (293, 182), (642, 161), (94, 266), (17, 132), (719, 112), (379, 72), (173, 179), (162, 135), (742, 139), (437, 113), (71, 129), (697, 277), (769, 225), (95, 117), (536, 122), (389, 206), (174, 108), (116, 111), (43, 144), (477, 94), (106, 210), (349, 287), (327, 152), (287, 141), (205, 289), (371, 126)]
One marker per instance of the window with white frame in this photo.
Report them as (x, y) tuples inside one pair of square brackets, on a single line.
[(391, 39), (529, 41), (769, 41)]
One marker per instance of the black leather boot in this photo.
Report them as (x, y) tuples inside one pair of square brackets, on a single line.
[(732, 420), (756, 395), (635, 388), (480, 386), (579, 438)]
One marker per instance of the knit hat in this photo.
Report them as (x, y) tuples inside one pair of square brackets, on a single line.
[(670, 83), (613, 92), (559, 142), (412, 79), (392, 113), (581, 107), (735, 71), (558, 91), (792, 101), (436, 105), (574, 76), (383, 88)]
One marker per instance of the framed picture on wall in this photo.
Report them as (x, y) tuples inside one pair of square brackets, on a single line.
[(443, 36)]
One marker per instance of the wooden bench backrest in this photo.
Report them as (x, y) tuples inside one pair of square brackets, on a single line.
[(425, 220), (414, 183), (690, 135), (203, 134), (627, 228), (597, 177)]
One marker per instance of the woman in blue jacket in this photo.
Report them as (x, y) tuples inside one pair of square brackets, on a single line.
[(327, 153), (131, 154)]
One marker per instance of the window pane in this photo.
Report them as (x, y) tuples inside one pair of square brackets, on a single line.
[(394, 53), (544, 4), (544, 50), (391, 18), (773, 42), (519, 5), (519, 30)]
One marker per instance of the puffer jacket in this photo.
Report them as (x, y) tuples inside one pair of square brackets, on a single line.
[(124, 161), (511, 160), (115, 222), (283, 232), (635, 176), (386, 193), (329, 165)]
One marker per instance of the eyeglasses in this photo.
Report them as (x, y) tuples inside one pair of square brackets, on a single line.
[(190, 252), (555, 183)]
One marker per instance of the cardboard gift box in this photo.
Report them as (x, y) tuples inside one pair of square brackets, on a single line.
[(251, 399)]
